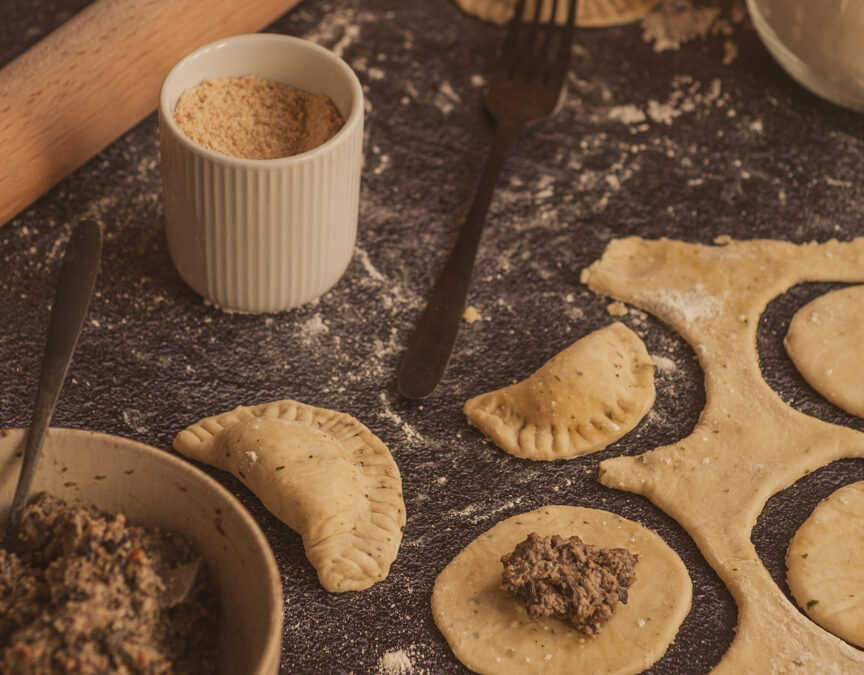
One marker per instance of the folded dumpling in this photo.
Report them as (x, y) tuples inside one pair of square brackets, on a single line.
[(322, 473), (580, 401)]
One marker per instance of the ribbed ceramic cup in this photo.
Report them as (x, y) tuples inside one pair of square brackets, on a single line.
[(262, 235)]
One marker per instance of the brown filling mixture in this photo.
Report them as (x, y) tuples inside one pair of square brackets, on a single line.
[(568, 580), (86, 592)]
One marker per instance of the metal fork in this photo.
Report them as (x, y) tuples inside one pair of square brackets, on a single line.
[(524, 87)]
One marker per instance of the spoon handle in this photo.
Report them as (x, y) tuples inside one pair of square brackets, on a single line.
[(74, 290)]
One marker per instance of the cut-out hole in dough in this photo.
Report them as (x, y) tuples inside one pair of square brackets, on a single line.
[(322, 473), (584, 398), (490, 632)]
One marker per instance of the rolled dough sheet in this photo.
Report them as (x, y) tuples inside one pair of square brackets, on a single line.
[(748, 444)]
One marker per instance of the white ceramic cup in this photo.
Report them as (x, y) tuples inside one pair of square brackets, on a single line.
[(262, 235)]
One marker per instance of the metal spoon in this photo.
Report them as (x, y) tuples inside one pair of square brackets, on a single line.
[(74, 290)]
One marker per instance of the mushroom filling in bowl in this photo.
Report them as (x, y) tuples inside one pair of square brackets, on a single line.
[(86, 591)]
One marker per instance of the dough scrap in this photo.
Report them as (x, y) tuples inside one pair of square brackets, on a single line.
[(825, 564), (320, 472), (825, 343), (584, 398), (490, 632), (748, 444), (590, 13)]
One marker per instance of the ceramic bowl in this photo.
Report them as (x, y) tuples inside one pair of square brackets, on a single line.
[(262, 235), (152, 487)]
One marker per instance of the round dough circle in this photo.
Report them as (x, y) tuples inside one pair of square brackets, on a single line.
[(490, 632), (825, 564), (824, 342)]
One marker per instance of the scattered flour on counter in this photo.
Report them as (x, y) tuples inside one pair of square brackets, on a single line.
[(414, 437), (371, 270), (341, 28), (348, 37), (447, 99), (395, 663), (687, 96), (402, 661), (313, 328), (663, 113), (134, 419), (545, 187), (664, 364), (467, 511), (383, 165), (676, 22), (730, 52), (471, 511), (627, 114)]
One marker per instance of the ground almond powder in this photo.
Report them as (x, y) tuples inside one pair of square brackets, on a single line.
[(253, 118)]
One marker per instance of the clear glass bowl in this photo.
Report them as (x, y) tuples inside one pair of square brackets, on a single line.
[(820, 43)]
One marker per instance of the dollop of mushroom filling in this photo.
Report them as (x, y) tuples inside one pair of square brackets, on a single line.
[(569, 580)]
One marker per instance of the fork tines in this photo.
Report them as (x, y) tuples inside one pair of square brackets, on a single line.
[(538, 39)]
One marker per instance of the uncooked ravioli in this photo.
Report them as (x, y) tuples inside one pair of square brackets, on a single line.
[(490, 632), (825, 564), (322, 473), (580, 401), (589, 13), (826, 342)]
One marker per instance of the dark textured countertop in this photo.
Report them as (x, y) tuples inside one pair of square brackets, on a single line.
[(656, 138)]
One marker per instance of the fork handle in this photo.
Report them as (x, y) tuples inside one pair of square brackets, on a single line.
[(431, 344)]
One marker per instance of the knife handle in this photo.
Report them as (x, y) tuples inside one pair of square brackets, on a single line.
[(431, 344)]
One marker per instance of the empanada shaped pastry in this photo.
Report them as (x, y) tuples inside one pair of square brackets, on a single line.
[(580, 401), (319, 471)]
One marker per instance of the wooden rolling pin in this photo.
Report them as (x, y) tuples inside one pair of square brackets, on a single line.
[(96, 76)]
